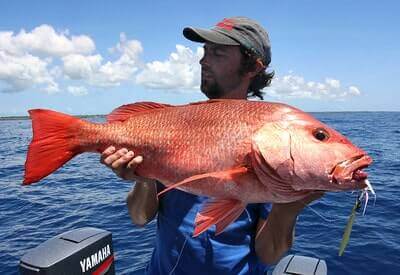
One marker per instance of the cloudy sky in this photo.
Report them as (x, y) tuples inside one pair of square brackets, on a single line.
[(88, 57)]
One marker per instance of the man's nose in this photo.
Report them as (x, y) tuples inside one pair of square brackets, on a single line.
[(203, 60)]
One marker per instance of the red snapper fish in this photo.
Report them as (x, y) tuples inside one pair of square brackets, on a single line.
[(234, 151)]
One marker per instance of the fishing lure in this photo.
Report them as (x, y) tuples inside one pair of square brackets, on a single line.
[(364, 195)]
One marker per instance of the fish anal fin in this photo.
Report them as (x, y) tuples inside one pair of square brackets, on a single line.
[(124, 112), (230, 174), (234, 213), (220, 212)]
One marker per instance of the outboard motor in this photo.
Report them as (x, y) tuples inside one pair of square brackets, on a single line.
[(300, 265), (81, 251)]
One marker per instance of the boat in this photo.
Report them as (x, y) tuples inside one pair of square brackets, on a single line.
[(89, 250)]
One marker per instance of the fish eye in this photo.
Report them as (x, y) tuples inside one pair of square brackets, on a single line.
[(321, 134)]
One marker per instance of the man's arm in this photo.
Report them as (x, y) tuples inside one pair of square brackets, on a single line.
[(142, 200), (277, 232)]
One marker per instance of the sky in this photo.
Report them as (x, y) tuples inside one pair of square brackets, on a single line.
[(89, 57)]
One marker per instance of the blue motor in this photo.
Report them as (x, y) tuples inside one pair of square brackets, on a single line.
[(80, 251)]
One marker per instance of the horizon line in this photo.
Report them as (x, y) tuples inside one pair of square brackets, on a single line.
[(22, 117)]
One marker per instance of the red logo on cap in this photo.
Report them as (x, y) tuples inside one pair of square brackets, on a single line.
[(226, 24)]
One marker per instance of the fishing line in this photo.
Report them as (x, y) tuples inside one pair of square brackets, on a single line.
[(320, 215), (179, 257)]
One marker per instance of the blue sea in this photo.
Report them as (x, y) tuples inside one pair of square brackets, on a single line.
[(84, 193)]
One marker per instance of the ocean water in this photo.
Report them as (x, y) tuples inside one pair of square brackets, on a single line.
[(84, 193)]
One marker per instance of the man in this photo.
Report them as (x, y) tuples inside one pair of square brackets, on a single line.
[(236, 55)]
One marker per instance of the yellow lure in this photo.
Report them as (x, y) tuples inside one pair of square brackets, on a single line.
[(349, 226)]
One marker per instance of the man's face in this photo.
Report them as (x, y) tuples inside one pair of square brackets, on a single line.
[(220, 70)]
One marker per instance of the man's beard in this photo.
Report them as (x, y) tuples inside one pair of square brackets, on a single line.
[(211, 89)]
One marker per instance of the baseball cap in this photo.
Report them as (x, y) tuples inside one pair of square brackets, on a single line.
[(235, 31)]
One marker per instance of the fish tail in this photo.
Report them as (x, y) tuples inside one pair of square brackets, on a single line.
[(54, 143)]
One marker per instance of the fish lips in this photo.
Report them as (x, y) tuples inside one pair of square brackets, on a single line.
[(348, 174)]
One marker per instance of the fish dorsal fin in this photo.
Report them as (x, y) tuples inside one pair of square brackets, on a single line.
[(124, 112), (214, 101), (206, 101)]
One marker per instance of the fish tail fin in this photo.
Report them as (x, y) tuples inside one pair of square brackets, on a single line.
[(52, 145)]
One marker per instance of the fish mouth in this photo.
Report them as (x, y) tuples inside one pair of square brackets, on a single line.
[(349, 174)]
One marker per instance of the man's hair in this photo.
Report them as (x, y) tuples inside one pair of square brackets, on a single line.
[(261, 80)]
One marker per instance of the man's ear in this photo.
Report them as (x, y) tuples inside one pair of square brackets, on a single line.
[(258, 67)]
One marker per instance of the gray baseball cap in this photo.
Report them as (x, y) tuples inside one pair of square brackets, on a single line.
[(235, 31)]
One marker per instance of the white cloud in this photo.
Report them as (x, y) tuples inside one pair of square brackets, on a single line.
[(26, 58), (77, 90), (113, 73), (44, 40), (90, 69), (181, 71), (294, 86), (43, 56), (25, 71), (31, 58), (130, 49), (77, 66), (354, 90)]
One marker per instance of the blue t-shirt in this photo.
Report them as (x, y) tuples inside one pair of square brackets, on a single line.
[(177, 252)]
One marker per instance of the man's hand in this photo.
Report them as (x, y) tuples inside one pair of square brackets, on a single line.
[(123, 162), (275, 235), (142, 200)]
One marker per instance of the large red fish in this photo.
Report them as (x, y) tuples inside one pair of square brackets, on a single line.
[(235, 151)]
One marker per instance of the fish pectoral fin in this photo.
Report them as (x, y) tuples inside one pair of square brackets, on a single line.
[(220, 212), (124, 112), (230, 174)]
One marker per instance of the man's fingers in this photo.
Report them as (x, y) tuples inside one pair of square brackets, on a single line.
[(134, 162), (113, 157), (108, 151), (122, 160)]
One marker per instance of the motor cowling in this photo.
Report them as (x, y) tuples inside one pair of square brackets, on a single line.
[(81, 251)]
